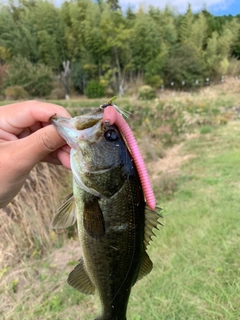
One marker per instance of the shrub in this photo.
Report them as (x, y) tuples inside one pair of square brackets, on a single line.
[(35, 78), (109, 93), (94, 90), (3, 70), (205, 129), (154, 81), (15, 93), (146, 93), (57, 94), (234, 67)]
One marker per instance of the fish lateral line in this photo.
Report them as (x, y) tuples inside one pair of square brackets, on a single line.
[(112, 116)]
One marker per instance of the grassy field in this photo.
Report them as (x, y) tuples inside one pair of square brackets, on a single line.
[(196, 254)]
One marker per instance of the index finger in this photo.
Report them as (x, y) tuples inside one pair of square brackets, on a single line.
[(15, 117)]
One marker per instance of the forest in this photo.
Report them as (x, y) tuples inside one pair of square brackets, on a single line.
[(96, 48)]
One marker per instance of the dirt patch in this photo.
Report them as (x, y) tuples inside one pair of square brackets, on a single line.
[(70, 252), (171, 163)]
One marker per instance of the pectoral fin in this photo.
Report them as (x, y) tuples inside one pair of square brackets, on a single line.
[(93, 219), (79, 279), (66, 214)]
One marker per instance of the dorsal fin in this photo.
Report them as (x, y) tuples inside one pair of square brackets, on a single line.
[(151, 222), (65, 215)]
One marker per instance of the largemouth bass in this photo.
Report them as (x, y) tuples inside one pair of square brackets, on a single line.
[(114, 224)]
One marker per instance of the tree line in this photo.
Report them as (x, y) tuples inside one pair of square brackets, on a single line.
[(109, 47)]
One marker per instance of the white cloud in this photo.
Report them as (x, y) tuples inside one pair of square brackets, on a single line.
[(179, 5)]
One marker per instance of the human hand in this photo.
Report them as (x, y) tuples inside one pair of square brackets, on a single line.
[(26, 138)]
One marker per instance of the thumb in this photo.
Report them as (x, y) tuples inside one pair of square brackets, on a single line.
[(40, 143), (19, 156)]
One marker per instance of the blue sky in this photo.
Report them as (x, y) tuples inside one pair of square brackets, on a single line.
[(232, 8), (216, 7)]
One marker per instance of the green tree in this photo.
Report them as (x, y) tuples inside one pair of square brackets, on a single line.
[(111, 47), (17, 33), (114, 4), (50, 32), (219, 47), (186, 23), (115, 31), (145, 41), (184, 67), (33, 30), (36, 79)]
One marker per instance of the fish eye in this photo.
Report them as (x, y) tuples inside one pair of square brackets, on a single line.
[(111, 135)]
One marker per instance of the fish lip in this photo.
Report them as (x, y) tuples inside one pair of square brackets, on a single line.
[(66, 129), (60, 121)]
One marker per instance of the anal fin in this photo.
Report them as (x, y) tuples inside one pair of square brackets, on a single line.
[(146, 266), (79, 279)]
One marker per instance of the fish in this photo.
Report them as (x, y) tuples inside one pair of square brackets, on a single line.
[(115, 226)]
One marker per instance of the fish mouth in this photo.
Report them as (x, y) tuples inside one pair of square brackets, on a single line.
[(66, 129), (79, 128)]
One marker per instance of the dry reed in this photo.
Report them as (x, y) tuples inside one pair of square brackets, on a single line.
[(25, 222)]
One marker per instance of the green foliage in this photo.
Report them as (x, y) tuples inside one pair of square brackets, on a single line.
[(104, 44), (57, 94), (186, 25), (36, 79), (3, 70), (185, 66), (146, 93), (155, 81), (34, 31), (205, 129), (94, 90), (15, 93), (114, 5), (79, 76), (145, 41)]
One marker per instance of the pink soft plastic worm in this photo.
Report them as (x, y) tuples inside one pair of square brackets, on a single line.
[(111, 116)]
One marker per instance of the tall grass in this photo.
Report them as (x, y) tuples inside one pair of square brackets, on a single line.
[(25, 222)]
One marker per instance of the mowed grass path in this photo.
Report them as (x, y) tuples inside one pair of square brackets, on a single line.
[(197, 254)]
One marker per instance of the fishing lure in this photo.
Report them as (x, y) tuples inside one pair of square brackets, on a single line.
[(112, 116)]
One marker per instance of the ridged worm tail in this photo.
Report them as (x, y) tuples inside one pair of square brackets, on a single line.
[(111, 116)]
